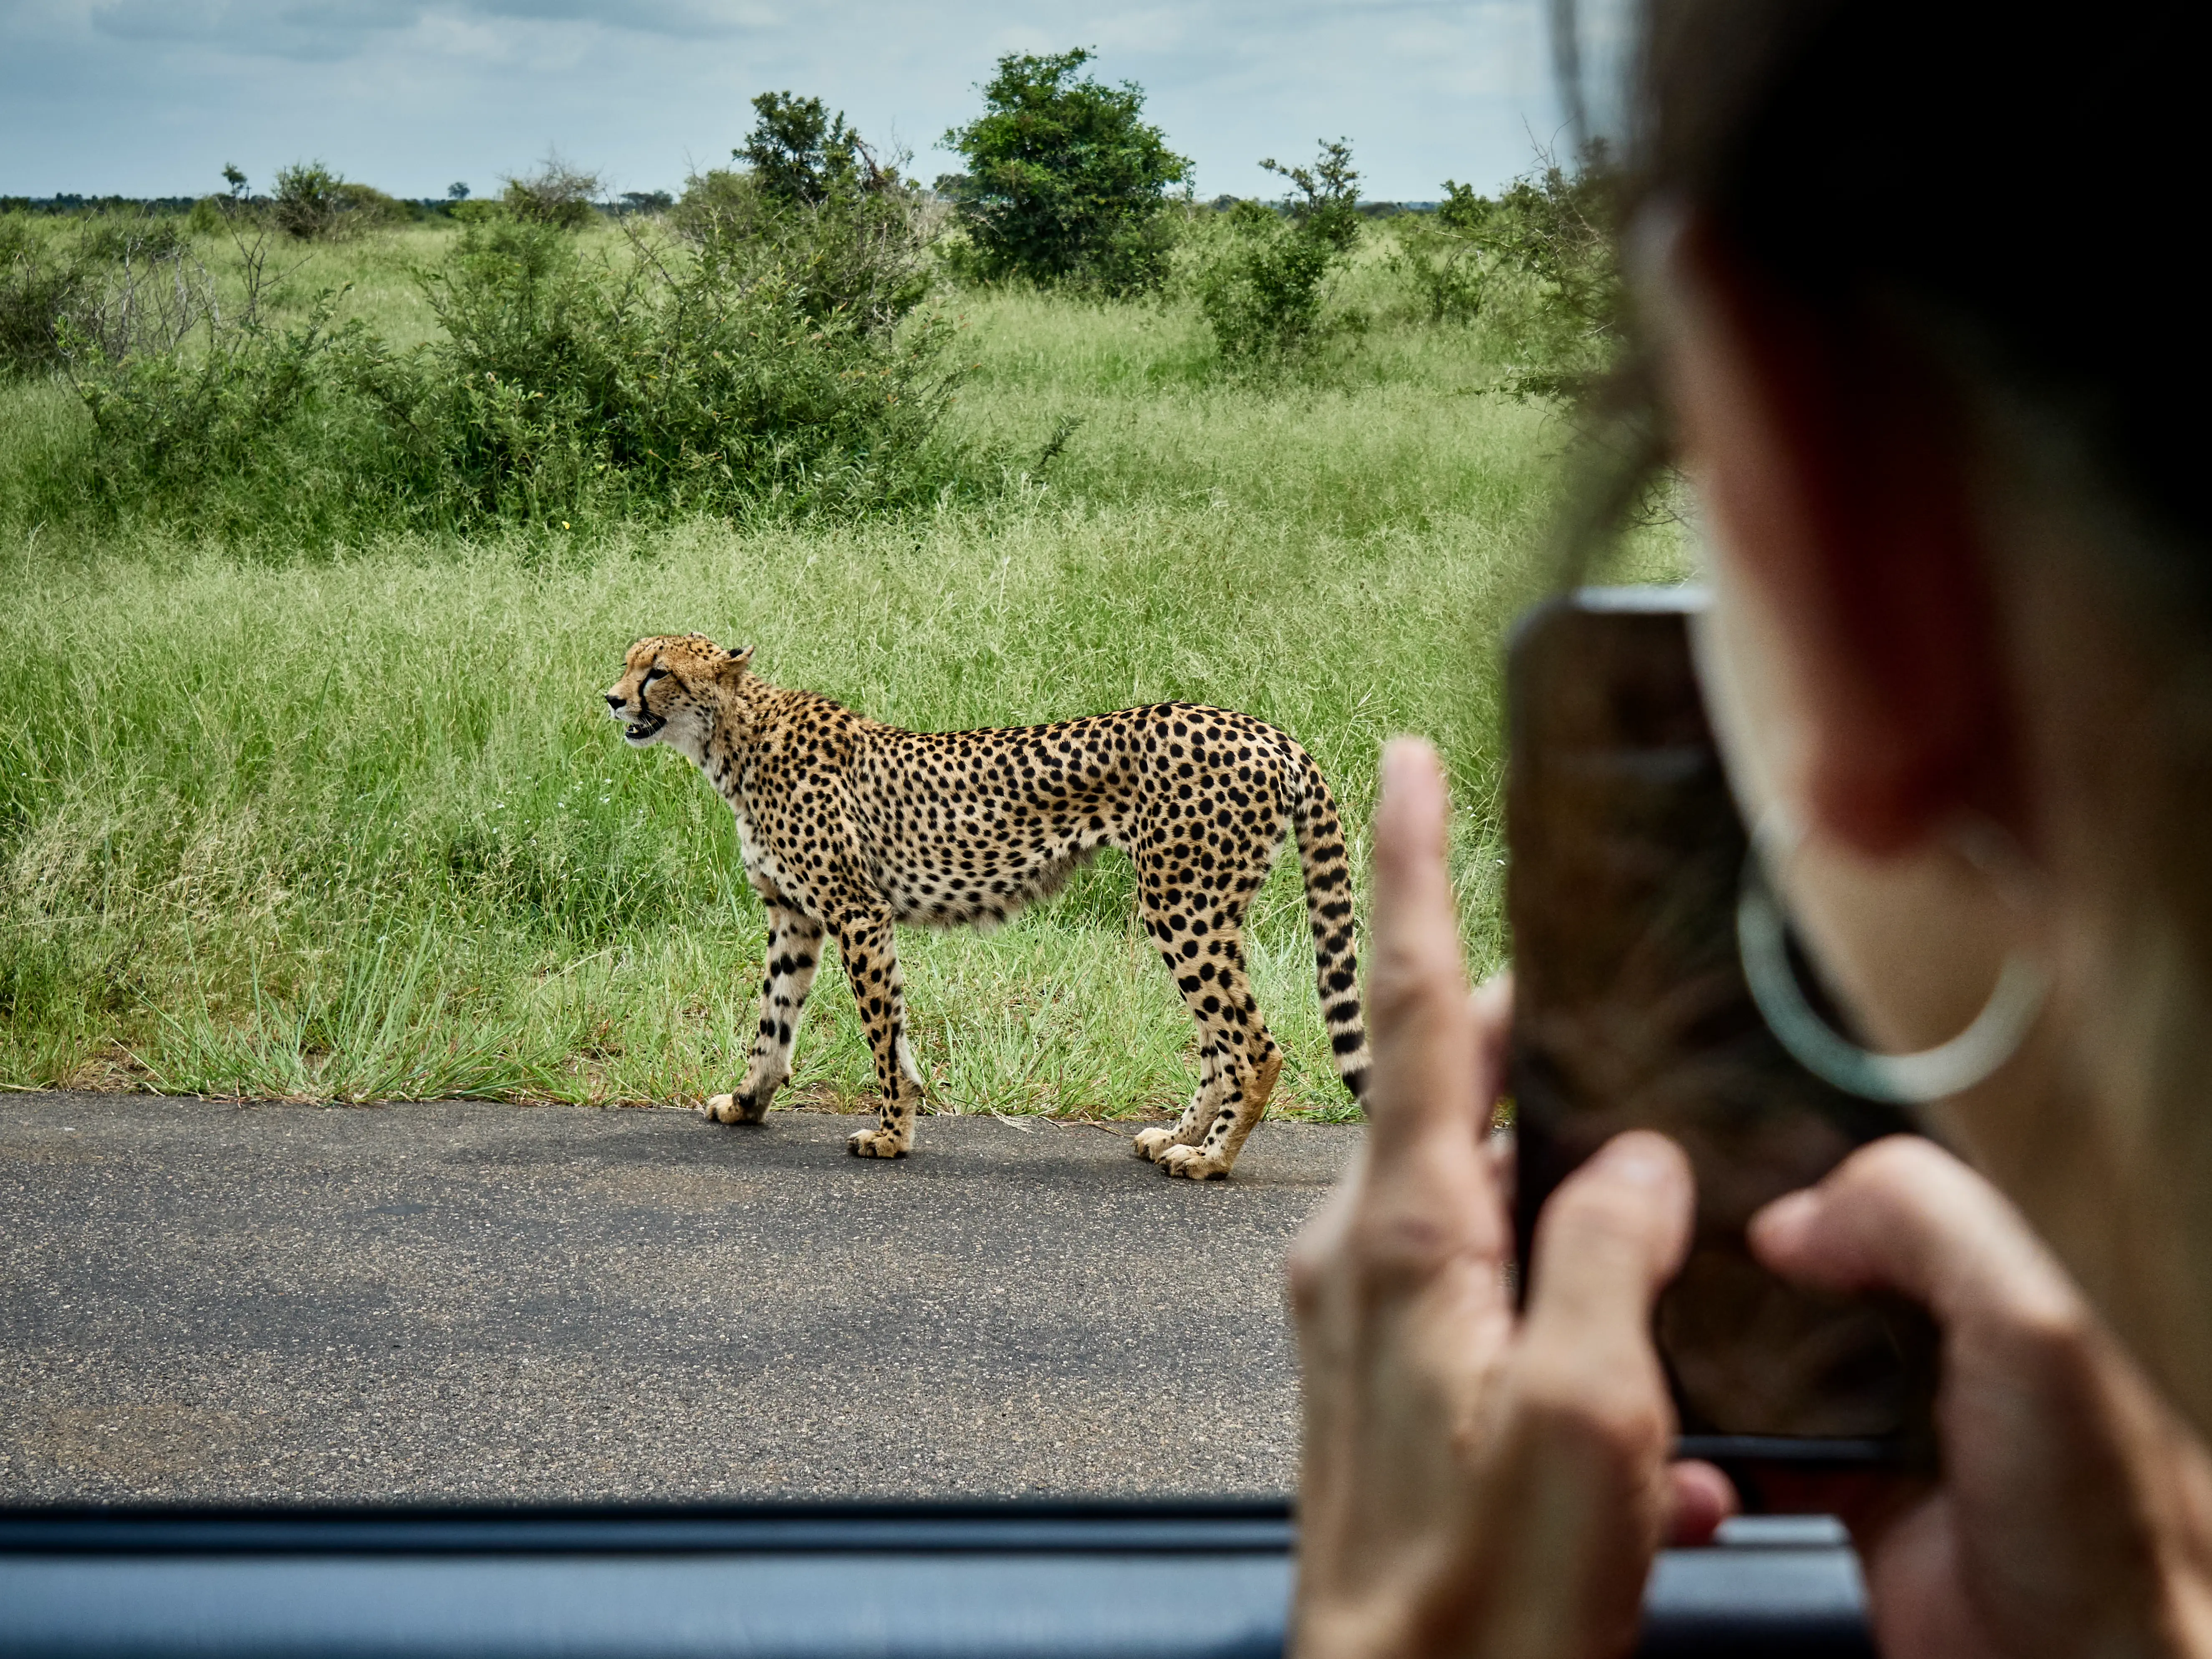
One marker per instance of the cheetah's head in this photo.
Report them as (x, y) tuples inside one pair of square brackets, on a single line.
[(670, 689)]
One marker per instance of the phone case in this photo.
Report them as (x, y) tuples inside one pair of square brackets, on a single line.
[(1631, 1011)]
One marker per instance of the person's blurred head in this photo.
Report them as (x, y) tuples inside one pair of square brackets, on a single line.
[(1925, 324)]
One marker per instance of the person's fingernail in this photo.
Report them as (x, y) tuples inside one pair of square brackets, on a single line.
[(1638, 1160), (1400, 756), (1785, 1217)]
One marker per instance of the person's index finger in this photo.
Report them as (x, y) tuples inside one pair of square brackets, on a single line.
[(1425, 1036), (1434, 1075), (1410, 880)]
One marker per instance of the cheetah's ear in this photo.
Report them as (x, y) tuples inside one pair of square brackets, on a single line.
[(737, 659)]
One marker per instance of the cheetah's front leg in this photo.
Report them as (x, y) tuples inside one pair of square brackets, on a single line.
[(871, 969), (794, 950)]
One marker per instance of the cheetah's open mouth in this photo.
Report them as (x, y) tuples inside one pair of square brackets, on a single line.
[(643, 731)]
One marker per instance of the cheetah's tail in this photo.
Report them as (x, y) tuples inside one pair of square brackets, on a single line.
[(1328, 907)]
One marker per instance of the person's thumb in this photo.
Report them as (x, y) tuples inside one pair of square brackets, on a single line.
[(1904, 1216), (1606, 1241)]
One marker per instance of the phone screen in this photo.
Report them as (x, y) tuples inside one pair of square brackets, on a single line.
[(1631, 1011)]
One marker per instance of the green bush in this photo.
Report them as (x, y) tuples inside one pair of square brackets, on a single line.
[(1446, 272), (801, 155), (561, 386), (1462, 209), (688, 382), (363, 207), (1444, 257), (555, 195), (1065, 181), (37, 292), (122, 239), (313, 203), (856, 254), (124, 282), (1324, 199), (1553, 231), (813, 209), (307, 203), (1265, 295), (174, 429)]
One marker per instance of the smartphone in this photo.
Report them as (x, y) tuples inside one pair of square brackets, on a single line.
[(1630, 1012)]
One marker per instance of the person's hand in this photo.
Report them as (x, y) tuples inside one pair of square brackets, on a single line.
[(2074, 1512), (1476, 1481)]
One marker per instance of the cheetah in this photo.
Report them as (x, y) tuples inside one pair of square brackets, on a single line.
[(847, 826)]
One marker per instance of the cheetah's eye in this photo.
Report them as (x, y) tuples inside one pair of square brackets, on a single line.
[(653, 674)]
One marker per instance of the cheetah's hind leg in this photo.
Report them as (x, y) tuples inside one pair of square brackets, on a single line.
[(871, 969), (734, 1108), (1153, 1142), (1212, 1157)]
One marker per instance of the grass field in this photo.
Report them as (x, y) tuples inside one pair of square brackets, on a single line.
[(352, 823)]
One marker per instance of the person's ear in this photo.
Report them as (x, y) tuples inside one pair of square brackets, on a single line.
[(1836, 483)]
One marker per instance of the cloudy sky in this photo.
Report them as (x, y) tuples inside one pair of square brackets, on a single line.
[(152, 97)]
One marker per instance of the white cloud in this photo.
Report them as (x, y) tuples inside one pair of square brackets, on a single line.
[(152, 96), (339, 30)]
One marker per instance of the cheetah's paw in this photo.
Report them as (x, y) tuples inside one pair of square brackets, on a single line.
[(1193, 1162), (875, 1143), (733, 1108), (1150, 1143)]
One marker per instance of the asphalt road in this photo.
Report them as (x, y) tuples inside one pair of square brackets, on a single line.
[(201, 1300)]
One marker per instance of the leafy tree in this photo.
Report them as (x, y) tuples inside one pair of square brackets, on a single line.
[(234, 177), (1326, 201), (307, 203), (799, 153), (815, 211), (553, 194), (457, 190), (1555, 225), (1066, 180), (1446, 256), (1266, 295), (1462, 210)]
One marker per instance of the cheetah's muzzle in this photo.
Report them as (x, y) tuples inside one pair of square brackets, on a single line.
[(644, 730)]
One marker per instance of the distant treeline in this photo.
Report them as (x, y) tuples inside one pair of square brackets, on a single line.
[(441, 206), (1367, 210), (68, 205)]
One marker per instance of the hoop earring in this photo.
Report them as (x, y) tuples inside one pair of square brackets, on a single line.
[(1762, 942)]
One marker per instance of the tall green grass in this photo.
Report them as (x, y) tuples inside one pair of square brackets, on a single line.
[(352, 823)]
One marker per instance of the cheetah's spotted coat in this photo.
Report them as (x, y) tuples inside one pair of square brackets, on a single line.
[(847, 826)]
